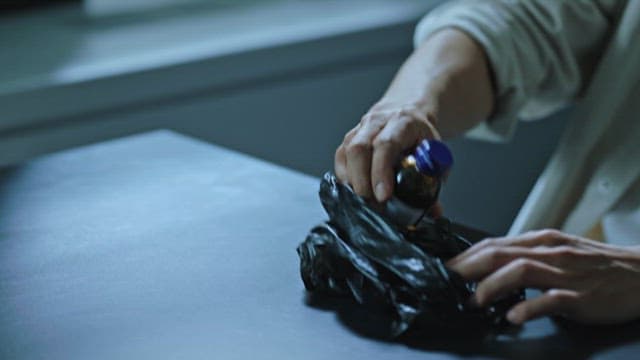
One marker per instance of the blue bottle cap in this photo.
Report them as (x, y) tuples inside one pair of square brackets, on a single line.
[(433, 158)]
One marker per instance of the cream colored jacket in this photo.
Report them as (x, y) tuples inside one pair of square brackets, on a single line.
[(544, 55)]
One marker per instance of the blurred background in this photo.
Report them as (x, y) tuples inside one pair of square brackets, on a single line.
[(281, 80)]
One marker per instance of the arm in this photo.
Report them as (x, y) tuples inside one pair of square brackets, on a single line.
[(540, 52), (447, 70), (448, 77)]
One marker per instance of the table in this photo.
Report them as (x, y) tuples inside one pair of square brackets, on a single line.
[(163, 247)]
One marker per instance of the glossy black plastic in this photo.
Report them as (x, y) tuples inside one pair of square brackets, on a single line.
[(360, 253)]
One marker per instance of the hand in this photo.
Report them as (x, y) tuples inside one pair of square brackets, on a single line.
[(446, 78), (581, 279), (369, 152)]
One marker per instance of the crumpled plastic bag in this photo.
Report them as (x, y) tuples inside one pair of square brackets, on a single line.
[(360, 253)]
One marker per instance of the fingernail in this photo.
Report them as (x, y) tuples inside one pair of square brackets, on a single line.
[(513, 317), (479, 300), (473, 301), (380, 191)]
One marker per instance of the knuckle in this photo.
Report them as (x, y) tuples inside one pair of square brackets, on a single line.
[(524, 267), (417, 126), (549, 235), (369, 118), (417, 122), (565, 251), (358, 148), (497, 255), (366, 117), (351, 133), (385, 142)]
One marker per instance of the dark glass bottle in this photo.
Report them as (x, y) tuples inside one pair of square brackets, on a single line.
[(419, 177)]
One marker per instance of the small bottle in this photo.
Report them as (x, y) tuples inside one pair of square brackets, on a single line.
[(419, 177)]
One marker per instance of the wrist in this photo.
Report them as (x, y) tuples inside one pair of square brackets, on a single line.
[(394, 109), (420, 108)]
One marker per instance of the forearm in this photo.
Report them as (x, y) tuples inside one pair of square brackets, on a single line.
[(448, 79), (445, 83)]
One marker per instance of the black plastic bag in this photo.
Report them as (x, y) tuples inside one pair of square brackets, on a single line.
[(360, 253)]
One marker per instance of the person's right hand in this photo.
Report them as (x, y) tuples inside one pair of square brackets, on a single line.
[(447, 70), (369, 152)]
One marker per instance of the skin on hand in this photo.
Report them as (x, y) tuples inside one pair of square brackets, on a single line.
[(369, 152), (447, 70), (580, 279)]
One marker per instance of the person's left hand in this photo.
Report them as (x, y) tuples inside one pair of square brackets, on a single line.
[(581, 279)]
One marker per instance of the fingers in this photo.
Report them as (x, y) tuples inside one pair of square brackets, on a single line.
[(367, 157), (582, 276), (491, 259), (488, 260), (359, 154), (387, 148), (340, 159), (547, 237), (518, 274), (552, 302)]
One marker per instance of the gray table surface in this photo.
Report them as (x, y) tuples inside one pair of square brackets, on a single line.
[(162, 247)]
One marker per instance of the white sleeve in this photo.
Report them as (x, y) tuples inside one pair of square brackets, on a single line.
[(541, 52)]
